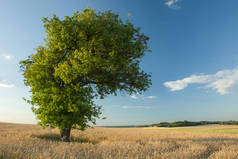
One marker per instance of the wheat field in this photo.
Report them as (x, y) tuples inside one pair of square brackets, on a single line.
[(18, 141)]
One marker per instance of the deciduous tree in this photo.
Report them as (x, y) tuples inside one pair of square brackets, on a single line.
[(90, 54)]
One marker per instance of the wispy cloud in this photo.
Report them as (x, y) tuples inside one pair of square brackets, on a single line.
[(133, 96), (6, 84), (134, 107), (151, 97), (172, 4), (221, 81), (7, 57)]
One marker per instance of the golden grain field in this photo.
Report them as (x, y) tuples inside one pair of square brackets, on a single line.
[(32, 142)]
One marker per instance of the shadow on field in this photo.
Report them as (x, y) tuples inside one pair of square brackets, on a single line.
[(56, 137)]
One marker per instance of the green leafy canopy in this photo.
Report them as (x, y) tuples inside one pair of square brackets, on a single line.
[(91, 54)]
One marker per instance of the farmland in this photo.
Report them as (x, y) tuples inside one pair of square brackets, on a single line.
[(33, 142)]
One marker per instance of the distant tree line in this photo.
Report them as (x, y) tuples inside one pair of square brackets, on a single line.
[(179, 124), (193, 123)]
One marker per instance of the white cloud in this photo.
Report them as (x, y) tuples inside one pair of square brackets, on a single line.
[(134, 107), (151, 97), (172, 4), (181, 84), (133, 96), (6, 84), (7, 57), (221, 81)]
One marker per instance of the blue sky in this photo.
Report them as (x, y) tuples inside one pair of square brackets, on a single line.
[(194, 59)]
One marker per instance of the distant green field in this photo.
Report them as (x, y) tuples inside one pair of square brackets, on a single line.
[(225, 131)]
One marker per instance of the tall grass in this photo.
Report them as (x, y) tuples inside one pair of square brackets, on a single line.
[(33, 142)]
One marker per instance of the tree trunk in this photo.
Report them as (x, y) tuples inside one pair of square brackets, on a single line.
[(65, 134)]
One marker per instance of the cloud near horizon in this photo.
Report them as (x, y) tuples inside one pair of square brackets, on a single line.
[(5, 84), (7, 57), (221, 82), (133, 96), (151, 97), (172, 4), (134, 107)]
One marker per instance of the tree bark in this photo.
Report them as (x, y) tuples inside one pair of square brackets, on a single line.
[(65, 134)]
